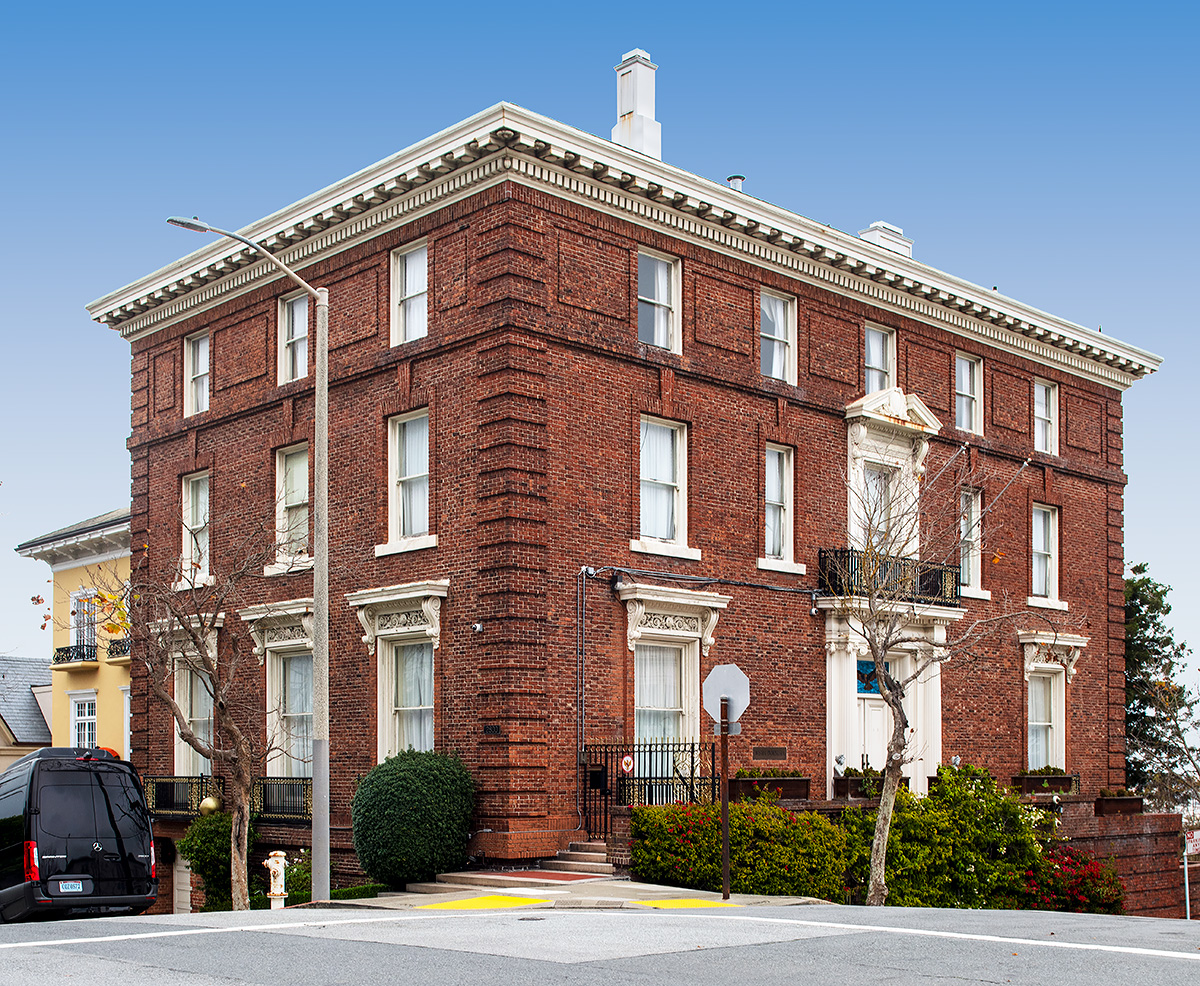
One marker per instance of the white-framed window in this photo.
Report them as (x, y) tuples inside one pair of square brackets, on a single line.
[(879, 351), (1044, 558), (194, 698), (408, 493), (195, 374), (658, 301), (83, 623), (289, 694), (968, 393), (878, 495), (1045, 417), (411, 696), (777, 336), (662, 450), (410, 293), (970, 538), (293, 337), (778, 532), (194, 564), (1047, 712), (126, 722), (291, 506), (658, 692), (83, 718)]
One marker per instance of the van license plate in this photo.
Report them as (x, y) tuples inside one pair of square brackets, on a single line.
[(70, 886)]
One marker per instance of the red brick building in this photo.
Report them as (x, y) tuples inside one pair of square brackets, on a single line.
[(592, 420)]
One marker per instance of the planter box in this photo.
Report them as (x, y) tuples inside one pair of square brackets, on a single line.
[(1044, 783), (852, 787), (1119, 806), (789, 788)]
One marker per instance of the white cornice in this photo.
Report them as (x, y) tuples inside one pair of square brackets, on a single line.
[(507, 142), (88, 548)]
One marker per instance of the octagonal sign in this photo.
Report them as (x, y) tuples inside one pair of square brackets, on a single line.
[(728, 681)]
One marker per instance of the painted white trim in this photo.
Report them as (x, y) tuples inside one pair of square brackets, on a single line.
[(417, 543), (970, 592), (668, 549), (675, 323), (1044, 602), (779, 565), (397, 329), (281, 341), (790, 331), (976, 426), (396, 541), (1055, 417)]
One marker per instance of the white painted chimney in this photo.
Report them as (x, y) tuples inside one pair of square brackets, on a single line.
[(636, 127), (887, 236)]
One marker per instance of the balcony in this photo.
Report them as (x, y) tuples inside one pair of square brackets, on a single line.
[(285, 800), (74, 654), (179, 797), (853, 572), (118, 650), (282, 799)]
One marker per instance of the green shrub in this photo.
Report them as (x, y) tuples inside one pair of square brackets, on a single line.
[(206, 847), (411, 817), (968, 844), (1068, 879), (753, 772), (771, 850), (1046, 771)]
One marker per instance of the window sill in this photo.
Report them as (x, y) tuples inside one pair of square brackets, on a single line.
[(651, 546), (407, 544), (781, 565), (199, 583), (1045, 602), (286, 566), (970, 592)]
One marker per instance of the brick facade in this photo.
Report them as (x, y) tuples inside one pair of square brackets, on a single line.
[(535, 383)]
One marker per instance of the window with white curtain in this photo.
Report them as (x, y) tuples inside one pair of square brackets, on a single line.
[(658, 692), (293, 338), (195, 374), (410, 294), (657, 304), (295, 713), (880, 358), (968, 539), (194, 567), (1046, 712), (195, 701), (878, 492), (968, 391), (1045, 417), (1045, 540), (291, 494), (412, 704), (663, 492), (409, 457), (777, 337)]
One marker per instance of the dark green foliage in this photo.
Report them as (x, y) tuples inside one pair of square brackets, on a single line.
[(771, 850), (753, 772), (1068, 879), (411, 817), (1047, 771), (1159, 712), (968, 844), (206, 847)]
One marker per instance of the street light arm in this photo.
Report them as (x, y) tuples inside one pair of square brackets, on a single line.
[(196, 226)]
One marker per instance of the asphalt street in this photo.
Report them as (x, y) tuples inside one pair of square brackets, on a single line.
[(492, 941)]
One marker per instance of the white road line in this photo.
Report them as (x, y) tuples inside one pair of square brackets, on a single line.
[(709, 915)]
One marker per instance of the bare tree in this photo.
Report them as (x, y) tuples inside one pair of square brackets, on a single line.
[(894, 592)]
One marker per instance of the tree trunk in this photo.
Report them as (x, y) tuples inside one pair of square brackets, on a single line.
[(893, 770), (239, 835)]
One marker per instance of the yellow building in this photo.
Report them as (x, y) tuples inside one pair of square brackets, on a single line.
[(89, 669)]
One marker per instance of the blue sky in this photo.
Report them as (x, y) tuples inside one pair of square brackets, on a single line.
[(1047, 149)]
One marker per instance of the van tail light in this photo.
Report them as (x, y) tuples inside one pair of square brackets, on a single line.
[(153, 862), (31, 863)]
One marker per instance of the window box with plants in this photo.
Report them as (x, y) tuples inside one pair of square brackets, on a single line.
[(1046, 780), (788, 784), (1118, 801), (855, 783)]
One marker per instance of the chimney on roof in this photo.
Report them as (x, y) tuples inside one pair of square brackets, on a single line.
[(887, 236), (735, 182), (636, 127)]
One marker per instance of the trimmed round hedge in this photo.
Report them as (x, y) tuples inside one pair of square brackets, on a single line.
[(411, 817)]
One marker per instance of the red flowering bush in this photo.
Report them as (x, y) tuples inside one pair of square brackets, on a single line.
[(1069, 879)]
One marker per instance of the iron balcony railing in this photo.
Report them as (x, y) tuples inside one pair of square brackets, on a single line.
[(854, 572), (180, 797), (74, 653), (118, 647), (656, 772), (282, 799)]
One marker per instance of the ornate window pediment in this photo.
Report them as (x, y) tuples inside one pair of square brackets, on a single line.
[(667, 612), (400, 611), (287, 624), (1043, 647)]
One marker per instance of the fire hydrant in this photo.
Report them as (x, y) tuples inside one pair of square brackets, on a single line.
[(277, 863)]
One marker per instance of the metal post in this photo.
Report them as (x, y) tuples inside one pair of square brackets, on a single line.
[(724, 798), (320, 753), (1187, 892)]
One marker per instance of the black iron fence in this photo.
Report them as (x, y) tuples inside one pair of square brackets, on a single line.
[(648, 773), (282, 799), (180, 797), (74, 653), (118, 647), (854, 572)]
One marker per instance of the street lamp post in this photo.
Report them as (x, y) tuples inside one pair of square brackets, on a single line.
[(320, 698)]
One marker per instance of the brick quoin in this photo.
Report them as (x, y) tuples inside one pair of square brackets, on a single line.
[(535, 382)]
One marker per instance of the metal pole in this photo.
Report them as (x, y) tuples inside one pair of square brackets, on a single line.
[(1187, 893), (320, 753), (724, 797)]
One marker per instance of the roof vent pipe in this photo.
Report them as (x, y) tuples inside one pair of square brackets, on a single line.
[(735, 182), (636, 127)]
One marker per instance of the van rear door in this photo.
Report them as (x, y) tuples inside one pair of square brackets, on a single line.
[(92, 830)]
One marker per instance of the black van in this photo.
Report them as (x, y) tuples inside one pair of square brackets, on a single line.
[(74, 836)]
